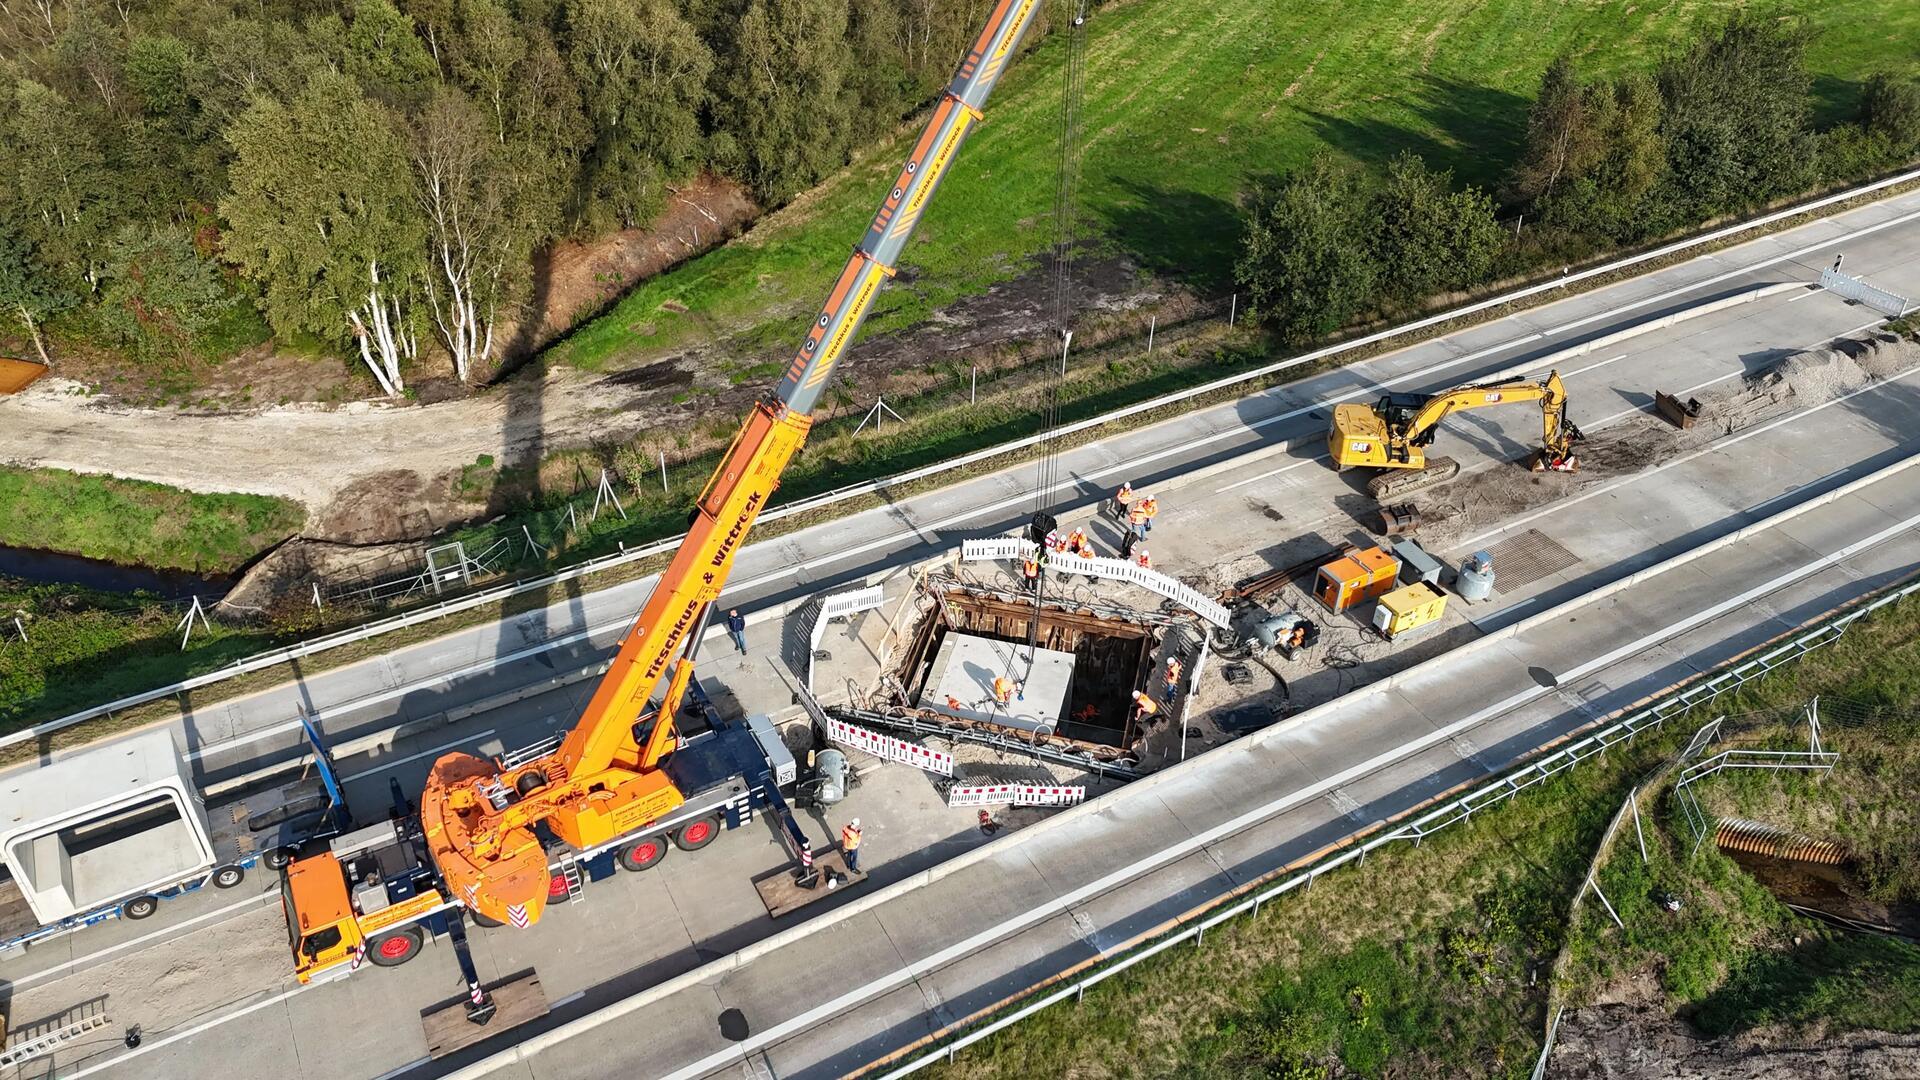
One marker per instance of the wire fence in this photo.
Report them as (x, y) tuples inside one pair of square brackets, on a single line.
[(1549, 762)]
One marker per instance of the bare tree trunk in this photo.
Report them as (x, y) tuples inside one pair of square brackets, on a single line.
[(373, 325), (33, 332)]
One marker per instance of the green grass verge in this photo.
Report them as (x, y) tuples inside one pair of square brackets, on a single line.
[(135, 523), (1433, 961), (1185, 101)]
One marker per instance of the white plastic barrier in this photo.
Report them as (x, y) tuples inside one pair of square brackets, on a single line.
[(1010, 547), (889, 747), (1860, 292), (1014, 795), (837, 606)]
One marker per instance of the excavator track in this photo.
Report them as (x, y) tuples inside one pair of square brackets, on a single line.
[(1398, 483)]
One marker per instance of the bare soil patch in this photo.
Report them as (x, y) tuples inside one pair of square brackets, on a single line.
[(576, 280)]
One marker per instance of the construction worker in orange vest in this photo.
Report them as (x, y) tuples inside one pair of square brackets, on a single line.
[(1077, 539), (850, 844), (1143, 560), (1085, 551), (1143, 707), (1121, 498), (1172, 678), (1002, 690), (1030, 569), (1150, 508)]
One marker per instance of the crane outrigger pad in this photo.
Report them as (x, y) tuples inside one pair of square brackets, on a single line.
[(516, 1000), (783, 895)]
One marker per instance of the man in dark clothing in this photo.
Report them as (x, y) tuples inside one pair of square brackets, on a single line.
[(737, 629)]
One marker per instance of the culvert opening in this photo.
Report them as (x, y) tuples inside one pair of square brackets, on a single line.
[(1079, 682)]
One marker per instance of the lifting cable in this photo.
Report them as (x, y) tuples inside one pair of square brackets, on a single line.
[(1065, 206)]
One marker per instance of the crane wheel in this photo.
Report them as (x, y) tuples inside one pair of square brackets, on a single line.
[(397, 947), (695, 835), (529, 782), (487, 921), (642, 853)]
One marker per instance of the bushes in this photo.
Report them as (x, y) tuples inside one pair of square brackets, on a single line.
[(1329, 244), (1720, 127)]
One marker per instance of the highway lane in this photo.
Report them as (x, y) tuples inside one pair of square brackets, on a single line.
[(706, 908), (415, 682), (1096, 878), (1712, 347)]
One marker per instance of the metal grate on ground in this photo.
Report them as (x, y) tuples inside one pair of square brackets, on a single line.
[(1522, 560)]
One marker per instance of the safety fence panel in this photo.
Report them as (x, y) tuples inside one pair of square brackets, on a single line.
[(1003, 548), (889, 747), (1014, 795), (1860, 292)]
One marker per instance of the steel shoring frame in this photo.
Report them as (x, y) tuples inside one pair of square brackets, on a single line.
[(1494, 791), (1005, 743)]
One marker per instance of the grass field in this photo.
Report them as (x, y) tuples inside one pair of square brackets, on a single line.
[(1185, 101), (1434, 961), (139, 524)]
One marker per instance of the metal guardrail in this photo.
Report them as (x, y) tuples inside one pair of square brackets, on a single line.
[(1461, 809), (326, 642)]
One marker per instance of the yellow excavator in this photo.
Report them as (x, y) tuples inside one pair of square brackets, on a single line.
[(1393, 433)]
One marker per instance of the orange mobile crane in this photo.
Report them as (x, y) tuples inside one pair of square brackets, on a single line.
[(610, 784)]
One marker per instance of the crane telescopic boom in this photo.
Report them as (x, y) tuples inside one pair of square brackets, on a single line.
[(605, 778)]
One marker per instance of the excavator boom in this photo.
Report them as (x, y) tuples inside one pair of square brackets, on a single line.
[(605, 779)]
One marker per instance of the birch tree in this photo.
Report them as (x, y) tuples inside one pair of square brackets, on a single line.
[(643, 72), (324, 218), (476, 241)]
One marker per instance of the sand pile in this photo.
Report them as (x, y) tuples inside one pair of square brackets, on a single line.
[(1798, 382)]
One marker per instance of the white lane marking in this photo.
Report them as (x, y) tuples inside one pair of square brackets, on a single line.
[(385, 765), (1270, 472), (1141, 867), (149, 1047), (1472, 543), (917, 532), (1590, 367), (29, 980)]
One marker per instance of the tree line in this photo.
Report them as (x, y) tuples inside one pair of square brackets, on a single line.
[(1720, 127), (377, 173)]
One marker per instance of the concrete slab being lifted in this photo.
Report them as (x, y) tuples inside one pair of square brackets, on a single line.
[(964, 670)]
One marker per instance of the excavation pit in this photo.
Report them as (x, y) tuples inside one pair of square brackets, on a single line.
[(1082, 679)]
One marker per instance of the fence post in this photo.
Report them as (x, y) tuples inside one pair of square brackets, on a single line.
[(1233, 309), (973, 392), (664, 490), (316, 598), (1152, 321)]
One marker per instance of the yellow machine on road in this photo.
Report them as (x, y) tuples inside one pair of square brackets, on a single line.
[(1394, 432)]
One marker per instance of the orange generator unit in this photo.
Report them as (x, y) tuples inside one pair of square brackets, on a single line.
[(1356, 578)]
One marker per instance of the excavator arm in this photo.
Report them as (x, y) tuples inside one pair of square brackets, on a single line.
[(605, 779), (1394, 432)]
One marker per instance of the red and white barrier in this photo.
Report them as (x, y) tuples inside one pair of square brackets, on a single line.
[(889, 747), (1014, 795)]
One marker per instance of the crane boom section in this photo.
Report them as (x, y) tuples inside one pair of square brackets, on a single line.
[(879, 250), (605, 778)]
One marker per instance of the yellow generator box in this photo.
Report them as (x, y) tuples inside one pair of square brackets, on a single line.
[(1355, 578), (1403, 610)]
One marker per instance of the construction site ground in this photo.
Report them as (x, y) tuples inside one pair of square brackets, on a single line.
[(207, 979)]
